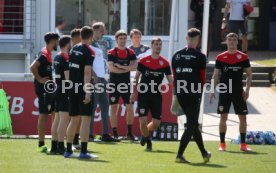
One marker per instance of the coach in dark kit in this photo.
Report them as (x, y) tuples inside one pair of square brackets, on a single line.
[(188, 67)]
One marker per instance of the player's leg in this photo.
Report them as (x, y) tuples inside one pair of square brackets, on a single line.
[(42, 120), (70, 134), (241, 110), (186, 137), (104, 106), (113, 100), (76, 143), (54, 132), (243, 28), (223, 109), (62, 126), (129, 121)]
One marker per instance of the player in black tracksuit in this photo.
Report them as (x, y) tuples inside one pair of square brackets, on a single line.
[(151, 69), (189, 68), (42, 71)]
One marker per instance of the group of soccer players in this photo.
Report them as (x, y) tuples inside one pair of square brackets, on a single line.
[(80, 61)]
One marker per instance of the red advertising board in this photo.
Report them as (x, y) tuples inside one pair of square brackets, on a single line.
[(24, 111)]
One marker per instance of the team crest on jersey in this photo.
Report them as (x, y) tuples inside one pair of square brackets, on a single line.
[(161, 62), (178, 70), (142, 49), (239, 57), (112, 99), (177, 57), (142, 111), (221, 108)]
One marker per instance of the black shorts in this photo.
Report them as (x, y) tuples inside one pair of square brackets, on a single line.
[(237, 25), (225, 101), (61, 103), (152, 103), (46, 103), (77, 107), (124, 93)]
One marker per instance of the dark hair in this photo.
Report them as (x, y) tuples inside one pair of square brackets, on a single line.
[(193, 32), (120, 33), (155, 39), (232, 34), (49, 36), (97, 25), (75, 32), (135, 32), (59, 22), (64, 40), (86, 32)]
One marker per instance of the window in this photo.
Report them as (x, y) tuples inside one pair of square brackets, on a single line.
[(11, 17), (152, 17), (77, 13)]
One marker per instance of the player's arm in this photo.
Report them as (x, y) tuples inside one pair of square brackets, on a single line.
[(113, 69), (34, 70), (214, 82), (66, 74), (94, 76), (87, 82), (248, 72), (132, 66), (226, 11), (135, 85)]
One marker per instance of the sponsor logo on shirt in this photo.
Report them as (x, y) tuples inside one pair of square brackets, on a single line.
[(73, 65), (77, 53), (184, 70)]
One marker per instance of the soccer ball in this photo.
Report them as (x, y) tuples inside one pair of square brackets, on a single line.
[(249, 137), (259, 138), (270, 138)]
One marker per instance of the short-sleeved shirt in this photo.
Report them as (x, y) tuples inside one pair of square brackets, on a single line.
[(187, 65), (45, 68), (232, 67), (122, 57), (142, 49), (61, 64), (236, 9), (81, 55), (153, 70)]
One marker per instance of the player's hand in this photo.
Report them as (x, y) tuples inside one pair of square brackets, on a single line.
[(87, 98), (245, 95), (43, 80), (95, 79), (211, 97), (174, 105), (133, 98)]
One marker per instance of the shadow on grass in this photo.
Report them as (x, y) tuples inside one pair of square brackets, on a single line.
[(210, 165), (163, 152), (106, 143), (246, 153), (94, 160)]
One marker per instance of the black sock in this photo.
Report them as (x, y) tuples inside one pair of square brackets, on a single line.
[(76, 139), (115, 133), (84, 147), (41, 143), (243, 138), (61, 146), (54, 145), (69, 148), (129, 129), (148, 139), (222, 137)]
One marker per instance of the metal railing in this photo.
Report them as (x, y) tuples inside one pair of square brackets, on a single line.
[(17, 21)]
